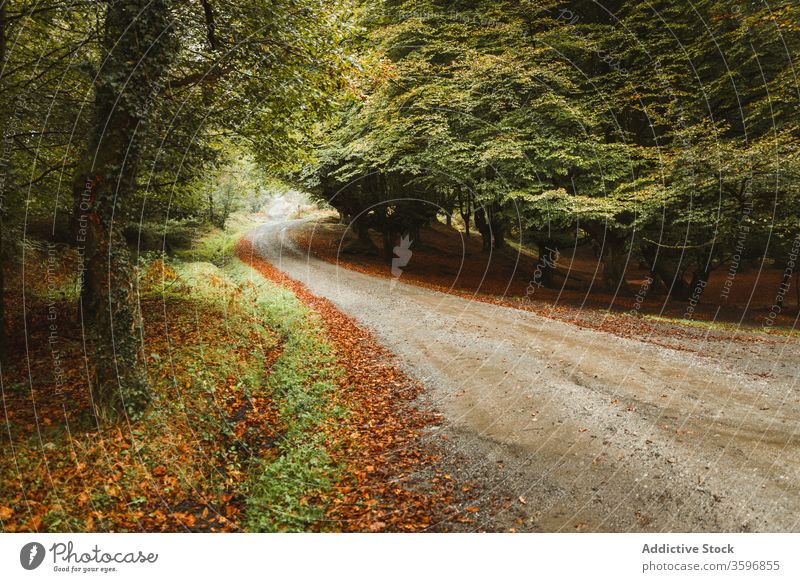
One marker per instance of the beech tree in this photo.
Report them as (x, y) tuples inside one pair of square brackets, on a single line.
[(113, 111), (138, 47), (622, 125)]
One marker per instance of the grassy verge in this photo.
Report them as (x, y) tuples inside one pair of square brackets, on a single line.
[(748, 328), (291, 491), (217, 246)]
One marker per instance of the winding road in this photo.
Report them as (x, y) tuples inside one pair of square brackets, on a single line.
[(567, 428)]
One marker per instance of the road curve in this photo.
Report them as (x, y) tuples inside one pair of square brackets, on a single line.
[(567, 428)]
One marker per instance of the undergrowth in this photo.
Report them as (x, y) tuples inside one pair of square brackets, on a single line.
[(242, 377), (292, 491)]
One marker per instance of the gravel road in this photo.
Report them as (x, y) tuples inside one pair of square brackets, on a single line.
[(566, 428)]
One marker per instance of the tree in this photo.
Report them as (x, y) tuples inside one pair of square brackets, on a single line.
[(139, 46), (3, 339), (621, 125)]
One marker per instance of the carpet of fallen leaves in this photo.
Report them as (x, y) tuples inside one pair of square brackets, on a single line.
[(181, 468), (392, 482), (450, 263)]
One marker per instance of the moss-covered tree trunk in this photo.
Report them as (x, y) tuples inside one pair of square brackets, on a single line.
[(3, 331), (482, 225), (3, 337), (138, 46)]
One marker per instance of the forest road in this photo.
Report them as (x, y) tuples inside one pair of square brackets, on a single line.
[(567, 428)]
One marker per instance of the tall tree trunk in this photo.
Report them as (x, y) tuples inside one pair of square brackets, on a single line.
[(483, 227), (465, 217), (388, 245), (659, 284), (3, 331), (464, 208), (612, 247), (363, 243), (498, 234), (614, 264), (615, 260), (3, 338), (493, 229), (138, 46), (362, 228)]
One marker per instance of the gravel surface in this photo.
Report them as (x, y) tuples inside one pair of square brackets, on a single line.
[(566, 428)]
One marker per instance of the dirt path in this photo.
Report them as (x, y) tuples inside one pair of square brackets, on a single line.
[(569, 428)]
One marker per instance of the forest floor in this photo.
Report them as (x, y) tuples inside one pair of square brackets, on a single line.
[(578, 418)]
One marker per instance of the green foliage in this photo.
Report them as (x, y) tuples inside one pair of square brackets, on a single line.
[(201, 109), (641, 126)]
